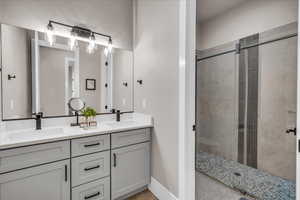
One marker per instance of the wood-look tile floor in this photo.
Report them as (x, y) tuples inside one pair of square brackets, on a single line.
[(146, 195)]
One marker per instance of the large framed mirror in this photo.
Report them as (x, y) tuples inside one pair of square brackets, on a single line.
[(41, 77)]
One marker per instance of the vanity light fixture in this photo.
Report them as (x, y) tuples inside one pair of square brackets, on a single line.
[(109, 46), (72, 41), (92, 44), (78, 33), (50, 34)]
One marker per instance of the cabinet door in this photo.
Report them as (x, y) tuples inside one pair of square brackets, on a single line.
[(130, 169), (46, 182)]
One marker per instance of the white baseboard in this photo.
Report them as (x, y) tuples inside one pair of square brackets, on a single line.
[(160, 191)]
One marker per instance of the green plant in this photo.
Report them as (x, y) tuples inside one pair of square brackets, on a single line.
[(89, 112)]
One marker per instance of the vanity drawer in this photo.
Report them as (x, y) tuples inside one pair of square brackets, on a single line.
[(130, 137), (90, 167), (97, 190), (18, 158), (89, 145)]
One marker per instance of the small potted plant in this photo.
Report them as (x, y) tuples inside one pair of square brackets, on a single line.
[(89, 114)]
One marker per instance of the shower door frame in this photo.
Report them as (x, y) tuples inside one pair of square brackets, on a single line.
[(298, 111)]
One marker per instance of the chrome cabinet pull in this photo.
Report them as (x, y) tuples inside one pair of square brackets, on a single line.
[(92, 195)]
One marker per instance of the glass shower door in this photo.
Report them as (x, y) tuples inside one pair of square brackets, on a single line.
[(246, 101), (216, 119), (216, 103), (277, 108)]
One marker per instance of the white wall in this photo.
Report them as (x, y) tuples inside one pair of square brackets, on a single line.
[(112, 17), (248, 18), (156, 62)]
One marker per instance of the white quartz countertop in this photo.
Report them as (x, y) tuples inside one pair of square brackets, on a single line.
[(12, 139)]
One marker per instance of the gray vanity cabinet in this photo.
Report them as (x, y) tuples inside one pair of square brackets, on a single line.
[(130, 169), (45, 182), (101, 167)]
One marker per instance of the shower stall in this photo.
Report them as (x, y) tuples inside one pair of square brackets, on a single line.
[(246, 97)]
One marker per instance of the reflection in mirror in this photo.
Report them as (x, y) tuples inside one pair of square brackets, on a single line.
[(39, 77), (76, 104), (16, 71), (122, 79)]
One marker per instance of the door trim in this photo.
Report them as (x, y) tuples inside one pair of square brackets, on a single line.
[(298, 111), (186, 96)]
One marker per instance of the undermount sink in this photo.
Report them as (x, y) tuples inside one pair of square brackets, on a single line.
[(31, 134)]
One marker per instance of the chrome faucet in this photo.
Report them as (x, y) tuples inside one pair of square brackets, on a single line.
[(38, 120)]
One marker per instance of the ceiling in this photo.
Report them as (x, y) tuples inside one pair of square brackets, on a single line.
[(207, 9)]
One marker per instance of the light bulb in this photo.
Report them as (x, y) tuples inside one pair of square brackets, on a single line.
[(105, 51), (50, 34), (92, 44), (90, 48), (72, 41), (109, 46)]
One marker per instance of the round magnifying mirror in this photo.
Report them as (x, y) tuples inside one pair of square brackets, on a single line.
[(76, 104)]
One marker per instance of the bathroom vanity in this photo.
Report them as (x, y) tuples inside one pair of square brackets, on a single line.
[(59, 162), (109, 162)]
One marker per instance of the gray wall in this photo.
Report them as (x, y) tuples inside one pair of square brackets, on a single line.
[(246, 19), (16, 60), (156, 63), (112, 17)]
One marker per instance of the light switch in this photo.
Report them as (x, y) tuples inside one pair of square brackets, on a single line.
[(124, 101)]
